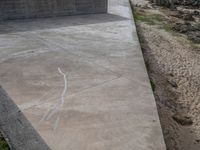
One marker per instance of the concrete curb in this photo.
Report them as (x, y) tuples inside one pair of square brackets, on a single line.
[(134, 21), (18, 131)]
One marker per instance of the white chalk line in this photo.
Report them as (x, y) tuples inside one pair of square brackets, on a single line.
[(51, 111), (65, 87), (56, 108)]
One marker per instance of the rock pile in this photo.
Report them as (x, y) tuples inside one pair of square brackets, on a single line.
[(174, 3), (192, 31), (194, 3)]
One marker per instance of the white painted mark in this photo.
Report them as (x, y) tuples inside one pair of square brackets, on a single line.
[(51, 111), (62, 99), (65, 87)]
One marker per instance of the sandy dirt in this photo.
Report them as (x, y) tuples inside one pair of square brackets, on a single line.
[(173, 65)]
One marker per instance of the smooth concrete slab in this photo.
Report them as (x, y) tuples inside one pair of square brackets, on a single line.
[(81, 81)]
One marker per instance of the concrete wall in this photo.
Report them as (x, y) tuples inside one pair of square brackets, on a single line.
[(17, 9)]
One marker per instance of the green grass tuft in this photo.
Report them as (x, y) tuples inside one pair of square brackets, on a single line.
[(153, 86), (150, 19), (3, 144)]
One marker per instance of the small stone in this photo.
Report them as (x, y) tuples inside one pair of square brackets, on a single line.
[(197, 140), (188, 17), (196, 13), (182, 28), (182, 119), (173, 84), (194, 36), (171, 74)]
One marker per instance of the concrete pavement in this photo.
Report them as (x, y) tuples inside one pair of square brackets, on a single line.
[(81, 81)]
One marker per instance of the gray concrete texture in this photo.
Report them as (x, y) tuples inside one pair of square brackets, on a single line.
[(18, 9), (81, 81)]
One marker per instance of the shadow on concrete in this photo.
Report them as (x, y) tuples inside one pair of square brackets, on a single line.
[(22, 25)]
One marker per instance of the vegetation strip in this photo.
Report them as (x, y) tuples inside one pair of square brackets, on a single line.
[(3, 143)]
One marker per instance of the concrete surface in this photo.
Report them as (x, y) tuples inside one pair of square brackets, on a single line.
[(81, 81), (16, 9)]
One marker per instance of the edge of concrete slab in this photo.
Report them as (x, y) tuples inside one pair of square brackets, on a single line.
[(17, 130), (134, 22)]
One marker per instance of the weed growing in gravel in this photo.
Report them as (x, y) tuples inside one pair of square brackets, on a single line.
[(150, 19), (3, 144)]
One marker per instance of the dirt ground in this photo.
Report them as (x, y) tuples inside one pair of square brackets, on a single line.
[(173, 64)]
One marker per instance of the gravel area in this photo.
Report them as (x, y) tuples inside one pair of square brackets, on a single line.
[(173, 64)]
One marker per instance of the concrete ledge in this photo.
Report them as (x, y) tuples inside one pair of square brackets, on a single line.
[(16, 128)]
